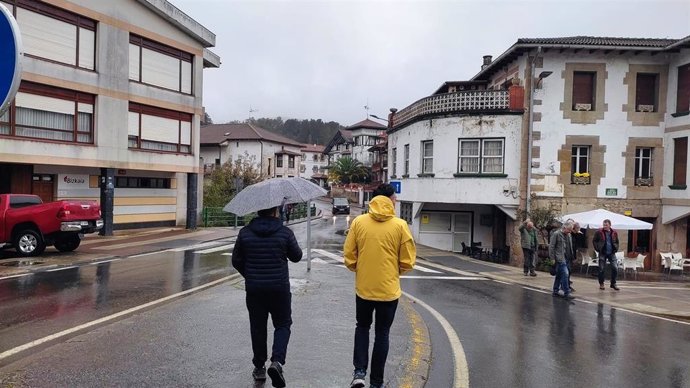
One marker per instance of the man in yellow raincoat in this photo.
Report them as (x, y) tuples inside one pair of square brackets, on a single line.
[(378, 248)]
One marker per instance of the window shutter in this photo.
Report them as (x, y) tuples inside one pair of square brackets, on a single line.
[(683, 100), (680, 160), (646, 90), (583, 88)]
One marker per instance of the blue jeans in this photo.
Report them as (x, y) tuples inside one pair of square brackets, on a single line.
[(385, 313), (259, 305), (561, 280), (614, 268)]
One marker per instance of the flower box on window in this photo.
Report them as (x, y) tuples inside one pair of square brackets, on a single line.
[(581, 179), (644, 181)]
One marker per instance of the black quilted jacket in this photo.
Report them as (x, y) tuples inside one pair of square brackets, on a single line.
[(261, 253)]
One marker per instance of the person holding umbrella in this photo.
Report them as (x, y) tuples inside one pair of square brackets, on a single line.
[(260, 255)]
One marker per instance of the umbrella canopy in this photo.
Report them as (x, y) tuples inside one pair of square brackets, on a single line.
[(271, 193), (595, 219)]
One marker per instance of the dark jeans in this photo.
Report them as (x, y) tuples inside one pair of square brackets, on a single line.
[(561, 280), (528, 266), (385, 313), (614, 268), (259, 305)]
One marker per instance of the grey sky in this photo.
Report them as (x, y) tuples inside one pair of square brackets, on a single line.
[(325, 59)]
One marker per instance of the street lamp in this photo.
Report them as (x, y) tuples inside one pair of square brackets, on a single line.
[(542, 75), (377, 117)]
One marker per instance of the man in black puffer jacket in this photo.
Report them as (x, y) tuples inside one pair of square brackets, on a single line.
[(260, 255)]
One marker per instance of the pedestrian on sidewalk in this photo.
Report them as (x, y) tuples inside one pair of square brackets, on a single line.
[(260, 255), (528, 240), (561, 250), (606, 244), (378, 248), (579, 249)]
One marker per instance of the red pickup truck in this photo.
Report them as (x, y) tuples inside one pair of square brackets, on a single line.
[(29, 225)]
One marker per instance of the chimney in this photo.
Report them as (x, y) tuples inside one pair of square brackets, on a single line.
[(487, 61)]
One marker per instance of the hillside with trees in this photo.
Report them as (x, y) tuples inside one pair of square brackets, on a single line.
[(304, 131)]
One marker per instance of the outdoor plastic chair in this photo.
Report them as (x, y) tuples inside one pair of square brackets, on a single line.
[(590, 262), (672, 265), (629, 263), (681, 261), (665, 256), (620, 256), (639, 262)]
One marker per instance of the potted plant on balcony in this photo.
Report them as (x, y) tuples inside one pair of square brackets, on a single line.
[(581, 178)]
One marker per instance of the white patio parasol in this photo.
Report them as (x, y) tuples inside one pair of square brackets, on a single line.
[(595, 218)]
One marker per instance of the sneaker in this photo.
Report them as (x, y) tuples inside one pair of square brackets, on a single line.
[(601, 287), (259, 374), (275, 371), (532, 273), (358, 379), (615, 287)]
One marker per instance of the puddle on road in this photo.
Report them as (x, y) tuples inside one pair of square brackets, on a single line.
[(20, 263)]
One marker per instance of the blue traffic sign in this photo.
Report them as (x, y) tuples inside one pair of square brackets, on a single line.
[(397, 185), (10, 58)]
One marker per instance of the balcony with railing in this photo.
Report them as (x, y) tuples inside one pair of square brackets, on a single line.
[(468, 102)]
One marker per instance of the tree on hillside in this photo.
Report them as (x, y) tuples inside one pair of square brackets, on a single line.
[(304, 131), (348, 170), (225, 182)]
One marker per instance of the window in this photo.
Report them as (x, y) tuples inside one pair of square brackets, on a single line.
[(394, 162), (158, 129), (49, 113), (55, 34), (646, 95), (683, 98), (480, 156), (124, 182), (159, 65), (580, 164), (406, 211), (643, 166), (291, 161), (427, 157), (279, 161), (680, 161), (406, 170), (584, 83)]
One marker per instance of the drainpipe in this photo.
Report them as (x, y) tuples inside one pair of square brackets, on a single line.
[(261, 158), (528, 200)]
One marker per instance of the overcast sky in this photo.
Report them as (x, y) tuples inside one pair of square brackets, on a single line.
[(328, 59)]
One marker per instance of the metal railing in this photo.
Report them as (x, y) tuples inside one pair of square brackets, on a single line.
[(215, 216), (480, 100)]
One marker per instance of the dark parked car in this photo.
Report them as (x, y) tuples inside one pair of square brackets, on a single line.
[(341, 205)]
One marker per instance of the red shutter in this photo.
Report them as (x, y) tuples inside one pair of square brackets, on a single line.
[(646, 90), (680, 160), (583, 88), (683, 100)]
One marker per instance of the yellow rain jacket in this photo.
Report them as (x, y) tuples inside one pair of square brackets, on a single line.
[(379, 248)]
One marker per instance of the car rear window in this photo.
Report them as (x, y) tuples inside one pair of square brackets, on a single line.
[(18, 201), (340, 201)]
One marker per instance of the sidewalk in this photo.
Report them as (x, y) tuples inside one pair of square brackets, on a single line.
[(659, 297)]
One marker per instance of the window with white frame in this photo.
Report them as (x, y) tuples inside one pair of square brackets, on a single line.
[(406, 211), (48, 113), (279, 161), (480, 156), (55, 34), (406, 170), (427, 157), (580, 163), (291, 161), (394, 162), (643, 166), (159, 65), (157, 129)]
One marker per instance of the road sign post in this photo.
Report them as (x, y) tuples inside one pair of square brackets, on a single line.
[(10, 58)]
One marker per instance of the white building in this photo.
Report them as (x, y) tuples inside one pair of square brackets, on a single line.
[(314, 163), (355, 142), (275, 156), (108, 108)]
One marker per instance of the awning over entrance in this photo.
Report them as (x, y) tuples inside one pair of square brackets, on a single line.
[(671, 213), (509, 210)]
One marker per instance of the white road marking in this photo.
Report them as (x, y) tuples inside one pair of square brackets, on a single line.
[(143, 254), (461, 378), (443, 277), (654, 288), (424, 269), (18, 349), (105, 261), (226, 254), (61, 268), (216, 249), (197, 246), (498, 281), (16, 276), (329, 254), (446, 268)]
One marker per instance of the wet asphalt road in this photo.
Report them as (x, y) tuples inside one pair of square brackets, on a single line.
[(512, 336)]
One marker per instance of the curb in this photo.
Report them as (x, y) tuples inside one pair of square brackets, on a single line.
[(415, 369)]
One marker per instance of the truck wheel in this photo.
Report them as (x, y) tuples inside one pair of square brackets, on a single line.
[(29, 243), (68, 243)]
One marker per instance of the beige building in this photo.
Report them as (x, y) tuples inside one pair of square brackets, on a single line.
[(108, 108)]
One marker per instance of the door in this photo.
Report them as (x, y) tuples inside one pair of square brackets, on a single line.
[(43, 185), (640, 241), (462, 230)]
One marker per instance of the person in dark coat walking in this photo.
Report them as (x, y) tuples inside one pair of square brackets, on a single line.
[(605, 242), (260, 255)]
